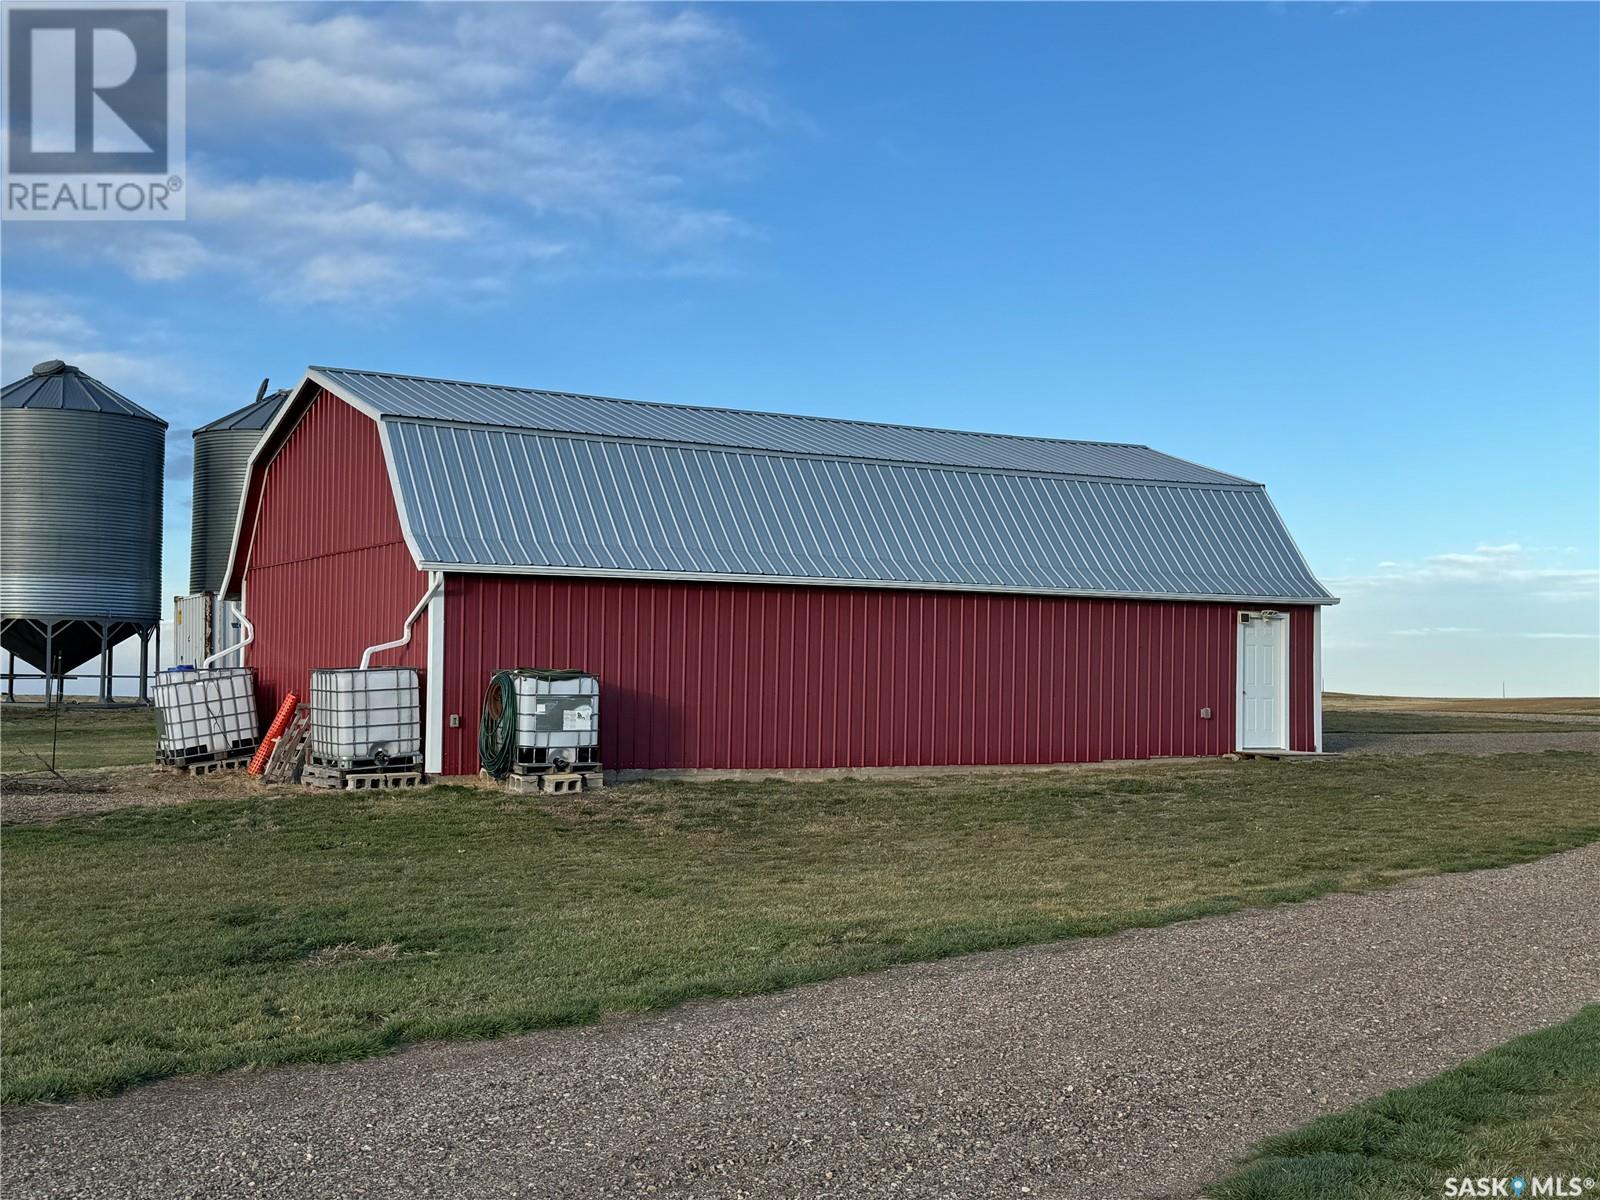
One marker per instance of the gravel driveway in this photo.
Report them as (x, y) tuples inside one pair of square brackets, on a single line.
[(1137, 1065)]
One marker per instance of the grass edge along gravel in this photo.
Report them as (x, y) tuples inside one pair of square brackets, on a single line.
[(1529, 1109), (257, 931)]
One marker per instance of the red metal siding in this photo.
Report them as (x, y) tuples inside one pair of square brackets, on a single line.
[(714, 675), (329, 573), (1302, 679)]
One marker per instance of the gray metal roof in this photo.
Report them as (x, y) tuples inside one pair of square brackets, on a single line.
[(256, 415), (478, 497), (57, 385), (565, 412)]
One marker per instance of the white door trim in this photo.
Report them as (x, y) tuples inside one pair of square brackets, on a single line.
[(1281, 619)]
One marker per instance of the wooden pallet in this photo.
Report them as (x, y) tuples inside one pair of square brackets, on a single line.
[(411, 762), (288, 754), (519, 767), (533, 771), (1283, 754)]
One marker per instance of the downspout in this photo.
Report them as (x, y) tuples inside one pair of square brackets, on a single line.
[(244, 591), (435, 582)]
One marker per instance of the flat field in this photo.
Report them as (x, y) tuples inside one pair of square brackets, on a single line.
[(1571, 705), (79, 736)]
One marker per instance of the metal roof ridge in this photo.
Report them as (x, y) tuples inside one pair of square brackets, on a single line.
[(1229, 484), (272, 400), (756, 412), (87, 386), (428, 564)]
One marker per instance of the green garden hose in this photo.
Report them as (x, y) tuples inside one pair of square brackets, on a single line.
[(497, 729)]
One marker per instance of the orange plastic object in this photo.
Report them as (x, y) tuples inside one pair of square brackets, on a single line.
[(258, 764)]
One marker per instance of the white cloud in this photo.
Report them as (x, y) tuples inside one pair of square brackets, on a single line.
[(160, 256), (343, 153), (638, 54), (311, 87), (1464, 622), (351, 208), (38, 326), (1488, 566), (40, 319), (351, 275)]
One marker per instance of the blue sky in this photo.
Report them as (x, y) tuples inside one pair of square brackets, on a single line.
[(1347, 250)]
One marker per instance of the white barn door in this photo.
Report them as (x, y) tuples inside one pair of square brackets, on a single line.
[(1263, 681)]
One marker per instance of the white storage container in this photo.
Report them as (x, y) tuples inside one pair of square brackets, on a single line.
[(205, 624), (227, 631), (191, 627), (366, 718), (205, 714), (558, 718)]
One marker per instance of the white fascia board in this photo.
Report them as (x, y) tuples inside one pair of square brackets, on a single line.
[(817, 581), (400, 501)]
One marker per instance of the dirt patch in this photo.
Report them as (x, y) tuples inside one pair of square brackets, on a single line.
[(348, 953), (40, 797)]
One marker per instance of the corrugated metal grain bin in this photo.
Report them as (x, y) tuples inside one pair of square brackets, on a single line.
[(80, 494), (222, 453)]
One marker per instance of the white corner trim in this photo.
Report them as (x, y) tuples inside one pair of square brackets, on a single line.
[(1316, 677), (1238, 682), (433, 734)]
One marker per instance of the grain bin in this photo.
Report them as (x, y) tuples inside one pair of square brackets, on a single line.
[(222, 453), (80, 500)]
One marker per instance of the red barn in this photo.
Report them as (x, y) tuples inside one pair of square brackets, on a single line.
[(759, 591)]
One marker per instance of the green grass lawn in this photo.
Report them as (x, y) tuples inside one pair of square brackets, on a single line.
[(85, 737), (276, 927), (1529, 1108), (1356, 720)]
